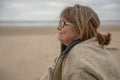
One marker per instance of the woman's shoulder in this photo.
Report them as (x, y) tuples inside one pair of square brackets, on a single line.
[(88, 47), (89, 52), (89, 56)]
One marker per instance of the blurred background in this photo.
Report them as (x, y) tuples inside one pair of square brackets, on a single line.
[(46, 12), (28, 34)]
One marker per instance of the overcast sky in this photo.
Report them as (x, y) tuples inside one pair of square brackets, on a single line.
[(49, 10)]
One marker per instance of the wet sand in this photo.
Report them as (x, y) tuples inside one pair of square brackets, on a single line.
[(26, 53)]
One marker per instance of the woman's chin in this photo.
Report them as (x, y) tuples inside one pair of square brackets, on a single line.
[(59, 39)]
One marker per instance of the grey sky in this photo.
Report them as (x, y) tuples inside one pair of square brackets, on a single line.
[(49, 10)]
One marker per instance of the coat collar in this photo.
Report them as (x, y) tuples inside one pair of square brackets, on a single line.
[(66, 49)]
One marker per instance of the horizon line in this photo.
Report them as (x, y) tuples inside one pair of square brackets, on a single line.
[(46, 20)]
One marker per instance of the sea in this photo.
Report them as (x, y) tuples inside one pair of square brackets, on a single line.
[(46, 23)]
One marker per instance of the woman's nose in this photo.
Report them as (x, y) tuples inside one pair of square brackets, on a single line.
[(59, 28)]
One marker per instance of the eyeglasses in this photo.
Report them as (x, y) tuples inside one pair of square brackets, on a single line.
[(63, 23)]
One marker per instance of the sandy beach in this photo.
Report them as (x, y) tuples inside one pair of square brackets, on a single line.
[(26, 53)]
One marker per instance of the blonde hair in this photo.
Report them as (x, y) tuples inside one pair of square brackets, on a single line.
[(85, 22)]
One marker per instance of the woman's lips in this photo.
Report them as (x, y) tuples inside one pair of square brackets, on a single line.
[(60, 33)]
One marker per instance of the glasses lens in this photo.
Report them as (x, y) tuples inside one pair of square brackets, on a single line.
[(61, 24)]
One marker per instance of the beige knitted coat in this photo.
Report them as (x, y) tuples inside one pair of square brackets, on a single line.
[(85, 61)]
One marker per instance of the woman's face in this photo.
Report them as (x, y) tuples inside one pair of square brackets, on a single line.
[(66, 32)]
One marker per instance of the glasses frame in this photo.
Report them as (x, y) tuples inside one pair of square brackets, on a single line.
[(63, 23)]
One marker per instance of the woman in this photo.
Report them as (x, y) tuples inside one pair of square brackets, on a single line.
[(83, 55)]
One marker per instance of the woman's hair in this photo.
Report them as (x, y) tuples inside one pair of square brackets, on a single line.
[(85, 22)]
